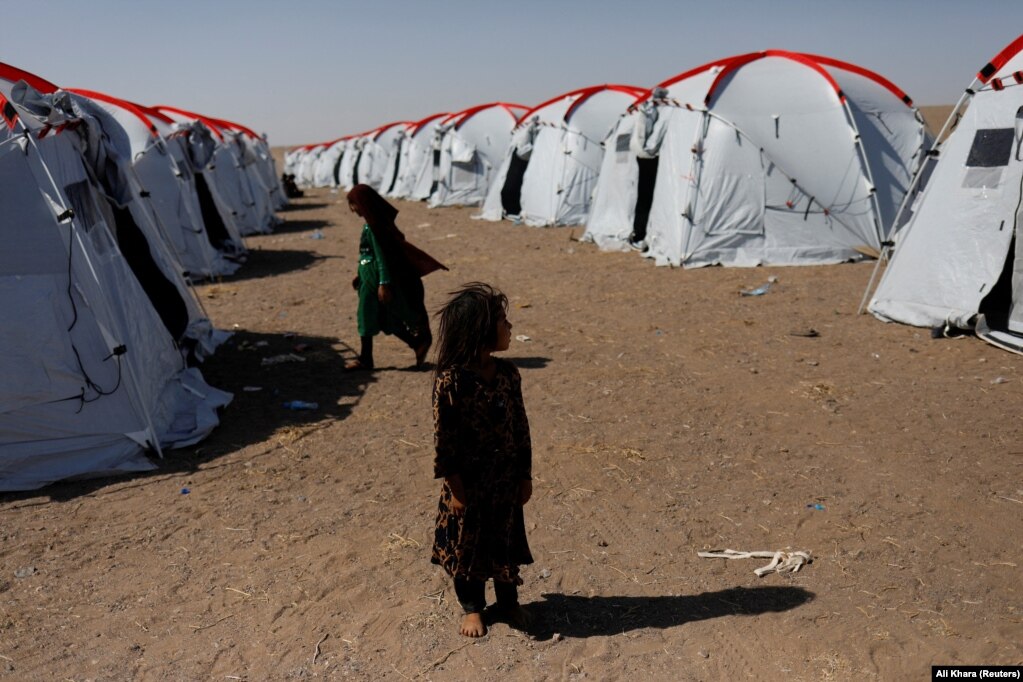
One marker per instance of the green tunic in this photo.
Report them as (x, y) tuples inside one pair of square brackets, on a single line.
[(375, 317)]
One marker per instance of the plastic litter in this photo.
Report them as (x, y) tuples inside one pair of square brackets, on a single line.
[(317, 235), (278, 359), (818, 507), (300, 405), (782, 561), (759, 291), (522, 337), (999, 380), (185, 491)]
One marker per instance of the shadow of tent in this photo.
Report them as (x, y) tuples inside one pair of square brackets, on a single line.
[(261, 264), (293, 226), (300, 204), (576, 616), (253, 416), (284, 367)]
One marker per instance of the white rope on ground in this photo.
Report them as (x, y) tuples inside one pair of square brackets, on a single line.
[(781, 561)]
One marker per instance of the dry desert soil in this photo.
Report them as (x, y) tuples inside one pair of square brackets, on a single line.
[(669, 415)]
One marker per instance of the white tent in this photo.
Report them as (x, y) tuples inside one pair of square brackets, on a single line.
[(766, 158), (326, 162), (347, 168), (472, 145), (305, 173), (258, 156), (231, 173), (167, 181), (292, 158), (550, 168), (377, 164), (959, 252), (125, 207), (191, 145), (90, 377), (415, 174)]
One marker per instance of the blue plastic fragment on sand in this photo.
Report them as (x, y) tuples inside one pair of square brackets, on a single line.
[(759, 291)]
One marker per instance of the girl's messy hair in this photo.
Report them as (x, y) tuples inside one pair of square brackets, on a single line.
[(468, 324)]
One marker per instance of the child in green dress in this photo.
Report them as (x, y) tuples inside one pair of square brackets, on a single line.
[(389, 281)]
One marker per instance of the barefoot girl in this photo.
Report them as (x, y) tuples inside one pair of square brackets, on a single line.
[(484, 455)]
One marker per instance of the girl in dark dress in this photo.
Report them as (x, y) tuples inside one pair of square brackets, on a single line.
[(389, 281), (484, 455)]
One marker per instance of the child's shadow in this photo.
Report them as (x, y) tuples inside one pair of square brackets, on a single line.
[(575, 616)]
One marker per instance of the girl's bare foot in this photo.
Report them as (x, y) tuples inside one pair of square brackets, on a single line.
[(472, 625)]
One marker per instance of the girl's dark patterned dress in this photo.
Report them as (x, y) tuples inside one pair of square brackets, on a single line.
[(482, 434)]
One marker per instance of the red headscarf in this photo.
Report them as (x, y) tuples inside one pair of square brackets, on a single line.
[(380, 215)]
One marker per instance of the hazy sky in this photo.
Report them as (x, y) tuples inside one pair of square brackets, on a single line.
[(309, 70)]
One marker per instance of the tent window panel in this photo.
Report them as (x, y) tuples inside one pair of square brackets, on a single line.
[(464, 174), (982, 178), (622, 148), (991, 148)]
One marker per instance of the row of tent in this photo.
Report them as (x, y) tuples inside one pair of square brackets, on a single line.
[(773, 158), (446, 159), (110, 211)]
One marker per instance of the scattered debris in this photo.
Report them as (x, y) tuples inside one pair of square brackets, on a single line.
[(278, 359), (759, 291), (522, 337), (809, 333), (300, 405), (781, 561)]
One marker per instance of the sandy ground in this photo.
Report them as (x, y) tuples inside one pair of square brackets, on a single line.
[(669, 415)]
